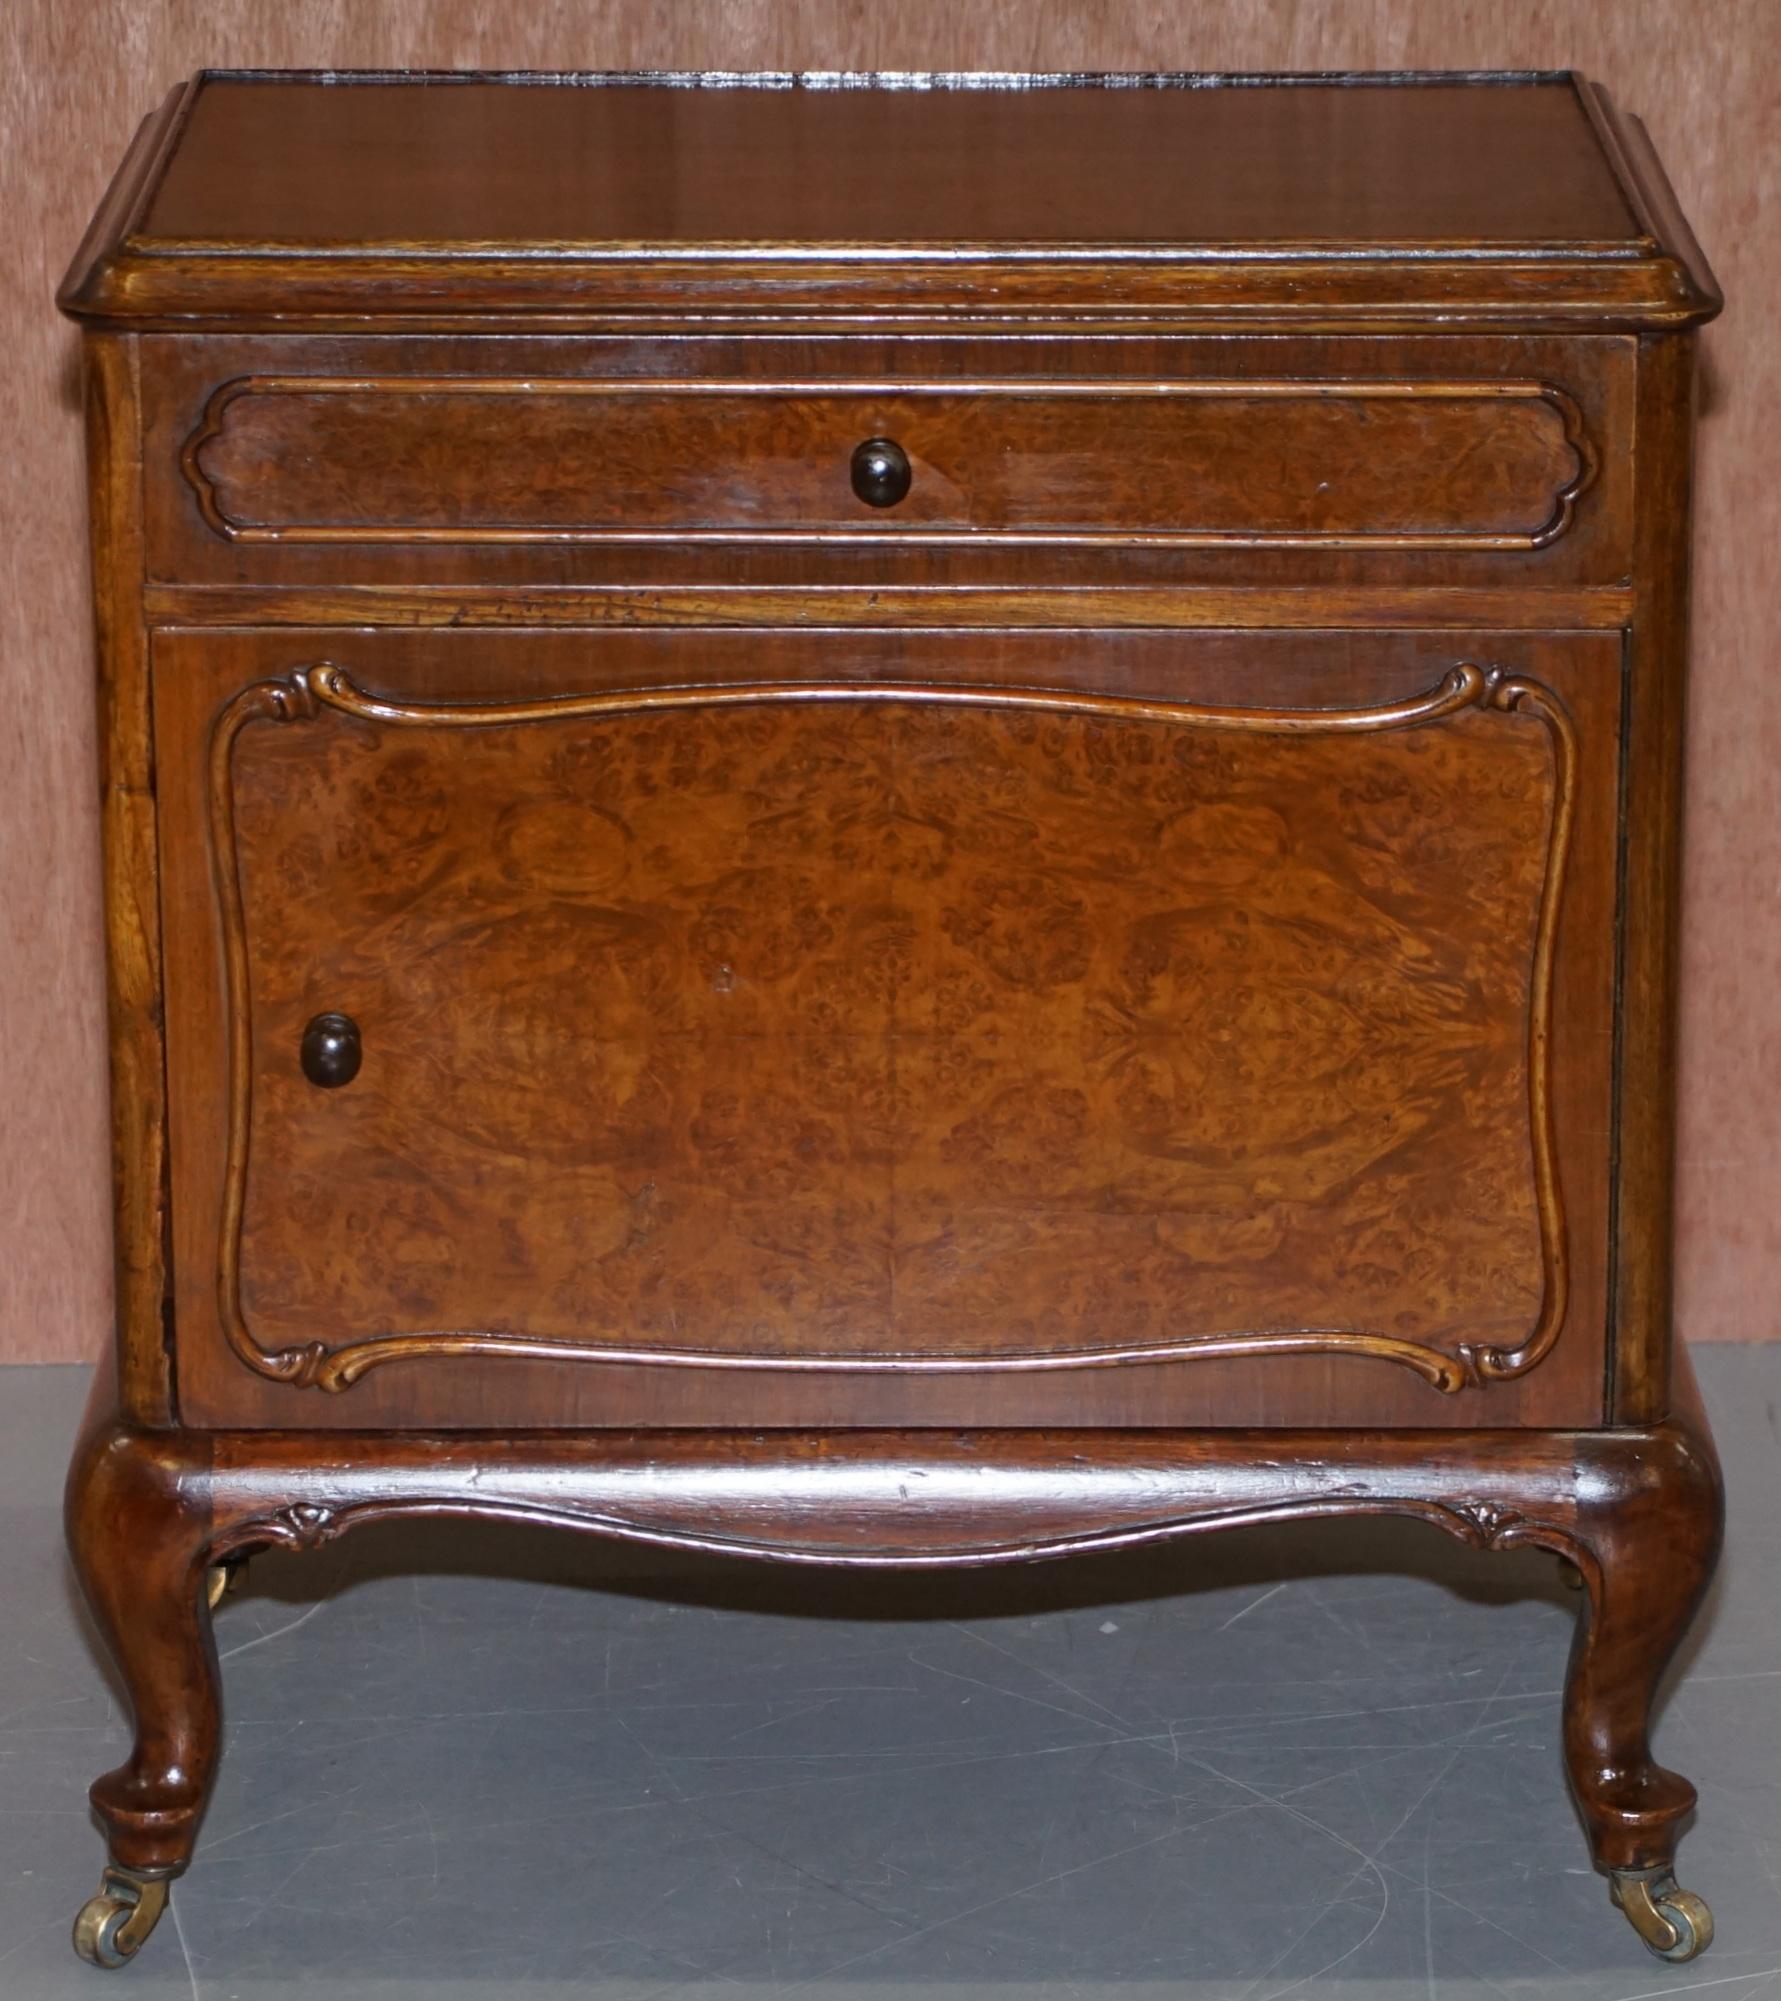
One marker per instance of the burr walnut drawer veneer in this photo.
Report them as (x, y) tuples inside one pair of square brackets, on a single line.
[(1087, 460), (961, 858), (1364, 462)]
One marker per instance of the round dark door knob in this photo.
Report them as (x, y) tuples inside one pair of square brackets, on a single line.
[(332, 1051), (880, 472)]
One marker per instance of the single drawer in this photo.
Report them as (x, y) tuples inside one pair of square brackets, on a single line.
[(1358, 464), (546, 461)]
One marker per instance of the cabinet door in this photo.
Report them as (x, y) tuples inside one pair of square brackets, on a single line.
[(922, 1028)]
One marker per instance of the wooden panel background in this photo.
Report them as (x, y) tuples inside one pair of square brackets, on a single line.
[(75, 80)]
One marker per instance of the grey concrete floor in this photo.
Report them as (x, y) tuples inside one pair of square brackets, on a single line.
[(464, 1763)]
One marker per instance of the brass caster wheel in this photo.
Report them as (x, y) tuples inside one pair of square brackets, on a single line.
[(223, 1578), (1569, 1575), (1674, 1923), (113, 1924)]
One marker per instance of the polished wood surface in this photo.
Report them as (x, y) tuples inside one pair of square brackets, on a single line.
[(1128, 607), (902, 1091), (1170, 463), (856, 1032), (1660, 656), (1512, 197), (468, 162), (1026, 887), (131, 834), (1163, 461), (75, 83), (1637, 1511)]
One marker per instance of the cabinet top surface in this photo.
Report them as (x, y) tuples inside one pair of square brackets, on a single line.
[(454, 196)]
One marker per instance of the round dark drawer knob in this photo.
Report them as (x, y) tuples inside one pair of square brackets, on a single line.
[(332, 1051), (880, 472)]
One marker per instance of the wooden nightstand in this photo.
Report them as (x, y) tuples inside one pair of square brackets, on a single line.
[(891, 822)]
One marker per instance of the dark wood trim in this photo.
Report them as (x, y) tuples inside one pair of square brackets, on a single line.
[(1647, 187), (132, 893), (1159, 290), (122, 200), (814, 79), (1637, 1511), (1640, 1302)]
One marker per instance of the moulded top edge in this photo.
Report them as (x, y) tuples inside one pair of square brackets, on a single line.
[(273, 195)]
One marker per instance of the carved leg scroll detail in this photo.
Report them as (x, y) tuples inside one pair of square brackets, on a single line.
[(1636, 1512)]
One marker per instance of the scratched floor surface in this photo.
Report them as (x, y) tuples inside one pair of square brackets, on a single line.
[(1319, 1762)]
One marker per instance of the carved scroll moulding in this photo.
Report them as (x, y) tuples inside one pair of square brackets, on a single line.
[(996, 1093)]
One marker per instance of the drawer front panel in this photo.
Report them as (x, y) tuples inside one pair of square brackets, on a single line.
[(1363, 464), (327, 462), (911, 1030)]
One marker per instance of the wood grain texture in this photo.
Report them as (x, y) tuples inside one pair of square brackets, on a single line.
[(816, 1028), (1188, 607), (130, 832), (776, 1059), (1400, 464), (702, 1020), (752, 167), (74, 82), (1478, 203), (1280, 464)]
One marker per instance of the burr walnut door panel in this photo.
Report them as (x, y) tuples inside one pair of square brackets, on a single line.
[(939, 1028)]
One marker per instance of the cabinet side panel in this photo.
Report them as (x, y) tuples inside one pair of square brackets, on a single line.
[(1645, 1090), (132, 903)]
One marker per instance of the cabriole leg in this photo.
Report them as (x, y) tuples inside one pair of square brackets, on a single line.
[(1636, 1511), (138, 1535), (1648, 1530)]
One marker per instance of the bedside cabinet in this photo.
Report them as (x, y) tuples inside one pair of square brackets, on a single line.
[(891, 822)]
